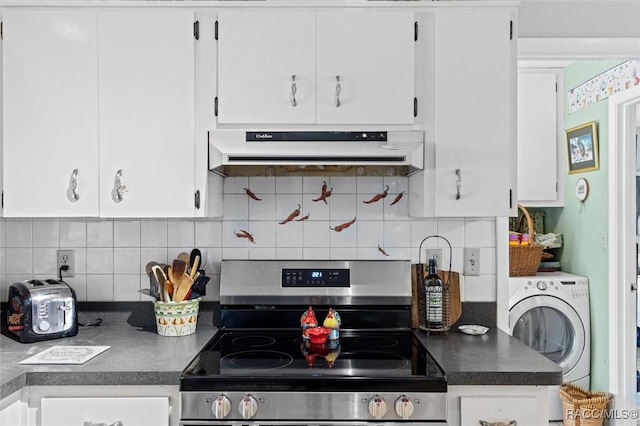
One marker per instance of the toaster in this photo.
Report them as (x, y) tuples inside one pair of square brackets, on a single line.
[(41, 310)]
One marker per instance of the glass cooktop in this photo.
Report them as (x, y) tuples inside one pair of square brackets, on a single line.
[(283, 360)]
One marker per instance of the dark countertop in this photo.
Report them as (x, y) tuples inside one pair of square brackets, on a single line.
[(139, 356), (495, 358)]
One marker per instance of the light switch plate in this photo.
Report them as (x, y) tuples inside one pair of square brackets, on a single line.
[(471, 261)]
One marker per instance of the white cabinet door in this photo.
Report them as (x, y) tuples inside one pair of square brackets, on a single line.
[(504, 408), (474, 69), (285, 67), (13, 409), (135, 411), (50, 113), (147, 89), (528, 405), (538, 142), (265, 61), (372, 55)]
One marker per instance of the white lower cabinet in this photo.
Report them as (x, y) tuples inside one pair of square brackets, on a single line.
[(134, 411), (80, 405), (13, 409), (526, 405)]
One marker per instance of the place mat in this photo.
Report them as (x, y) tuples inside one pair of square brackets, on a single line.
[(65, 355)]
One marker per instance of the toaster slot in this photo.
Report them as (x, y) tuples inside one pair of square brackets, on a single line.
[(67, 309)]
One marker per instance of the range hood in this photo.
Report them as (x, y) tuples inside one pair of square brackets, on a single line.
[(403, 148)]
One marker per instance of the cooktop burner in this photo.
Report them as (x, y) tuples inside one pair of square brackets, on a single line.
[(256, 360)]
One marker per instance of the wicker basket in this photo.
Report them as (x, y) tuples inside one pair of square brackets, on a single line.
[(524, 259), (581, 407)]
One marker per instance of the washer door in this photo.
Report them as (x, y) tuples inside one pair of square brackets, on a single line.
[(550, 326)]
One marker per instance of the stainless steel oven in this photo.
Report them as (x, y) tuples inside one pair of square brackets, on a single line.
[(261, 369)]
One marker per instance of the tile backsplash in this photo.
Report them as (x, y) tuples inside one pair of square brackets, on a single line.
[(110, 255)]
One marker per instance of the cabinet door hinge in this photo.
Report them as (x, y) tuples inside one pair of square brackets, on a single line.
[(415, 107), (510, 30), (196, 30), (215, 106), (415, 31), (197, 199), (215, 31)]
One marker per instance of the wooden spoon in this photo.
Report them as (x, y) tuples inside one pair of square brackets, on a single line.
[(184, 256), (183, 289), (176, 273), (187, 260), (194, 267)]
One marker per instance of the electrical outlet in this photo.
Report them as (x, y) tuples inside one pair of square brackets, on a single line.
[(471, 261), (431, 253), (66, 257)]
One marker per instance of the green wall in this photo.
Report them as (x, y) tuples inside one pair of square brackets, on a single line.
[(583, 224)]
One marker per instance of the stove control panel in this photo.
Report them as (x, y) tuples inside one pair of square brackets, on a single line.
[(313, 406), (317, 277)]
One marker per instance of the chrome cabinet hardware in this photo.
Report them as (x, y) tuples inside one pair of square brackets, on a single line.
[(338, 90), (118, 188), (74, 185), (294, 90), (458, 183)]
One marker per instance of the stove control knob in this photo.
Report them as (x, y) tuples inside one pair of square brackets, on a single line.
[(377, 407), (248, 407), (404, 407), (221, 407)]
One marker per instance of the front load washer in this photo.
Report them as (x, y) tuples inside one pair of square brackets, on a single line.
[(550, 313)]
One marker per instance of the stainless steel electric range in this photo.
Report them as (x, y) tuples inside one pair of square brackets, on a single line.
[(260, 370)]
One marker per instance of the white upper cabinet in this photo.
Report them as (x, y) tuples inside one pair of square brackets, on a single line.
[(50, 113), (365, 65), (89, 94), (328, 67), (471, 144), (540, 146), (266, 67), (147, 113)]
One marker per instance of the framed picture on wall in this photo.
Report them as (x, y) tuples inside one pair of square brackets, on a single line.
[(582, 148)]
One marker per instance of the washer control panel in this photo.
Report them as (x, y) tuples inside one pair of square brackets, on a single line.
[(572, 286)]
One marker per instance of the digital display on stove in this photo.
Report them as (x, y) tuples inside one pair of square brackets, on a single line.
[(315, 278)]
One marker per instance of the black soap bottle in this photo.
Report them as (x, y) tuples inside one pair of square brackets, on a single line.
[(433, 298)]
